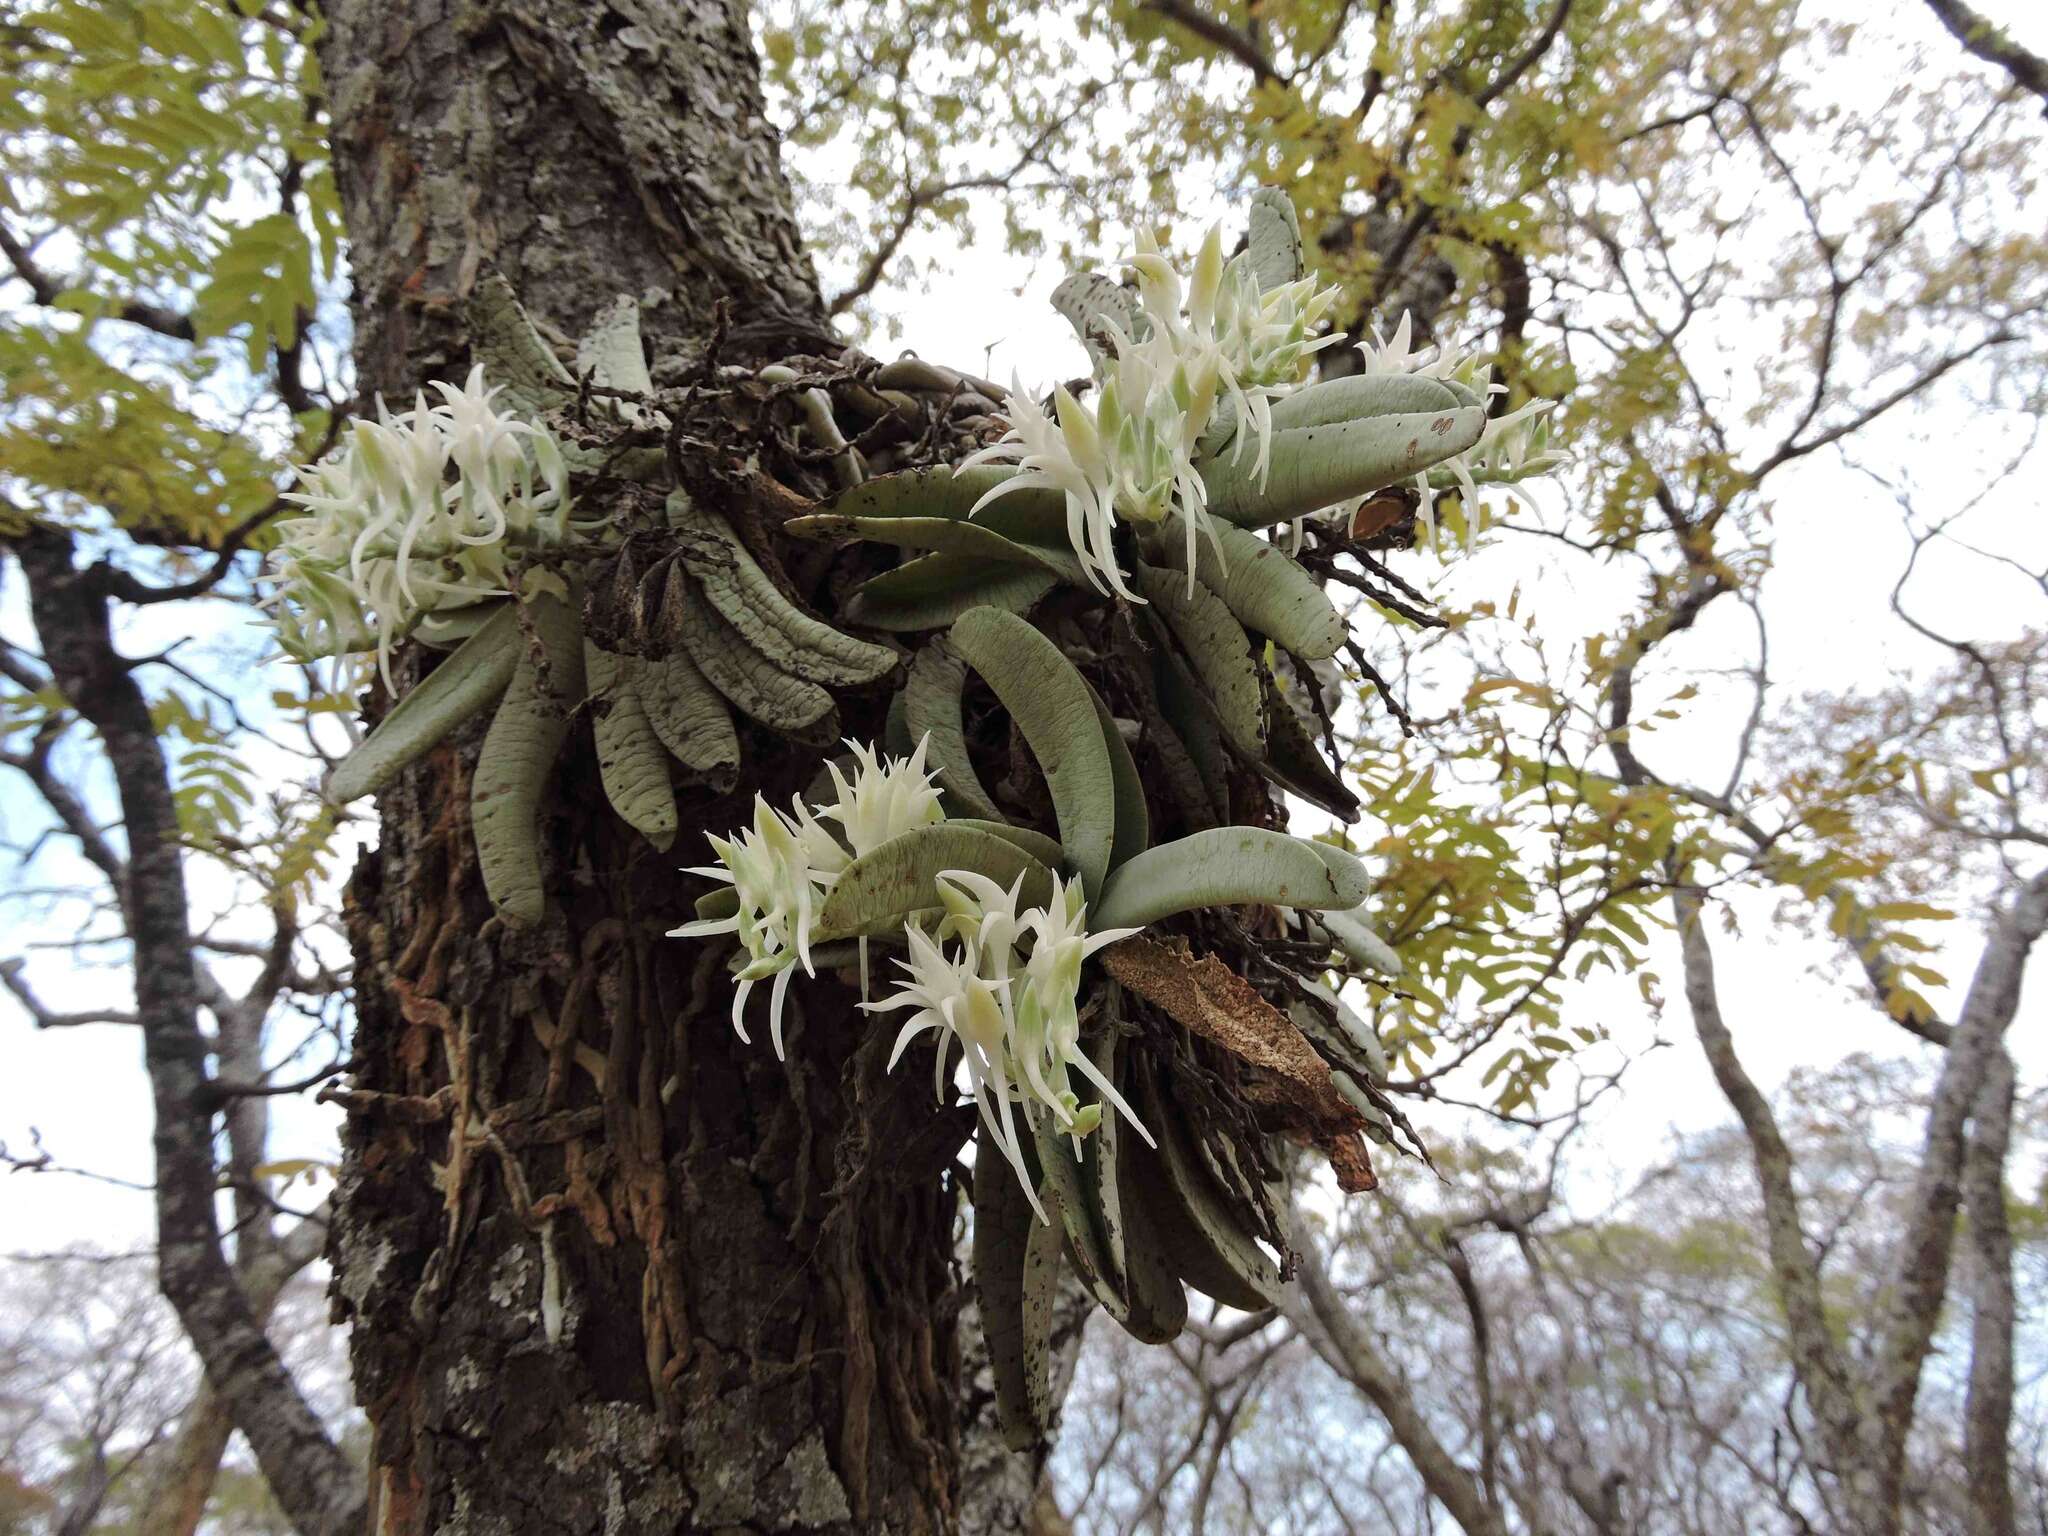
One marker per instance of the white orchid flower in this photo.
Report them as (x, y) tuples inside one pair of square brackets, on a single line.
[(952, 998), (1047, 1039), (785, 866), (414, 514), (1067, 456), (1027, 964), (780, 871), (1214, 338), (1391, 354), (885, 798)]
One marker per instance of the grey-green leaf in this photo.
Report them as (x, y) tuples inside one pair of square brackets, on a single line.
[(1274, 239), (934, 590), (1258, 583), (518, 756), (1054, 708), (1229, 866), (1317, 467), (1042, 848), (1361, 395), (931, 712), (1133, 819), (878, 890), (1362, 947), (1016, 1276), (465, 684), (1219, 651), (632, 764)]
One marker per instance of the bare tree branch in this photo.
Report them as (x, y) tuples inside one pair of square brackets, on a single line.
[(1326, 1322), (1905, 1332), (1987, 1407), (46, 290), (1218, 34), (1986, 40)]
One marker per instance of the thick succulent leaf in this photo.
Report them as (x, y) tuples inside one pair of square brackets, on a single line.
[(1154, 1303), (1089, 298), (1016, 1277), (940, 491), (1343, 1037), (1266, 590), (954, 535), (688, 716), (896, 737), (465, 684), (519, 754), (1219, 651), (1346, 869), (1042, 848), (748, 599), (1075, 1195), (1317, 467), (1294, 761), (742, 674), (612, 355), (514, 357), (1195, 1225), (632, 764), (1228, 866), (932, 591), (721, 901), (1362, 947), (1360, 395), (1036, 516), (1274, 239), (448, 629), (878, 890), (1188, 715), (1133, 819), (931, 713), (1054, 708)]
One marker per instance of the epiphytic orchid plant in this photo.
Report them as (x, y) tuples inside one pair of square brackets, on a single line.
[(1105, 937)]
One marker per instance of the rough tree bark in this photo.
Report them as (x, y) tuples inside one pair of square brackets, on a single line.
[(609, 1269)]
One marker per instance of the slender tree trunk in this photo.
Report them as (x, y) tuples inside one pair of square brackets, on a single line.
[(1987, 1410), (608, 1268), (1319, 1312), (182, 1483), (69, 606)]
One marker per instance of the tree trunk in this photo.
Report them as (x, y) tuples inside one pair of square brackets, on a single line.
[(609, 1269)]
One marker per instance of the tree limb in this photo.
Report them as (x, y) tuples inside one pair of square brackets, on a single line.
[(1986, 40), (46, 290), (1218, 34), (1325, 1321), (1987, 1406), (1815, 1357), (1919, 1280)]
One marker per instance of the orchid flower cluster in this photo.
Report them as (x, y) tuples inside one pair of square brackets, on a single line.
[(1512, 447), (1002, 983), (414, 514), (1008, 990), (1217, 339), (785, 866)]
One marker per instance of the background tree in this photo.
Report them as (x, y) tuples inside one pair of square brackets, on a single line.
[(1620, 1370)]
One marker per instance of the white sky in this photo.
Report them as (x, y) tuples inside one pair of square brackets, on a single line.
[(1839, 547)]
